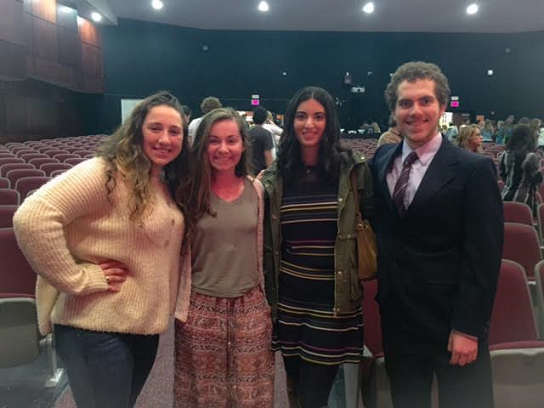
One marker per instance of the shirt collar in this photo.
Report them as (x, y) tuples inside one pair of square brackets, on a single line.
[(426, 152)]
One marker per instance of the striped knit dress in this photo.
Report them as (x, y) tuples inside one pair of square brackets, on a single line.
[(306, 326)]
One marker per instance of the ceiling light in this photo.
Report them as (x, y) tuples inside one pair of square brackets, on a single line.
[(157, 4), (263, 6), (368, 7), (472, 9), (66, 10), (97, 17)]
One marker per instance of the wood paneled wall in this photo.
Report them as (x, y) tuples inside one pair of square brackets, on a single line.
[(49, 42), (47, 55)]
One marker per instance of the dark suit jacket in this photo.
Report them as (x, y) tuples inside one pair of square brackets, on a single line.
[(438, 265)]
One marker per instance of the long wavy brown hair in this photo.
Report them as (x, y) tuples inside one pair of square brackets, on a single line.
[(197, 189), (124, 154)]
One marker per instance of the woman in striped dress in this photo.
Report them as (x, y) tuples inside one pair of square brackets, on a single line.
[(310, 248)]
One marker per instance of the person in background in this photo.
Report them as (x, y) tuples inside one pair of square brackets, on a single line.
[(535, 124), (223, 330), (208, 104), (105, 238), (276, 131), (452, 132), (439, 225), (519, 167), (392, 135), (470, 139), (488, 131), (376, 127), (261, 141), (505, 131), (310, 251), (187, 112)]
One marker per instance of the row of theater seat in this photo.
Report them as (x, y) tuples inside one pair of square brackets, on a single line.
[(517, 353), (24, 167)]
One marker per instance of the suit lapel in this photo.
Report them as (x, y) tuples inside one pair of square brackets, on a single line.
[(440, 172)]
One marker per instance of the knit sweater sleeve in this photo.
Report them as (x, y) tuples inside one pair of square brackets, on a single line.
[(40, 221)]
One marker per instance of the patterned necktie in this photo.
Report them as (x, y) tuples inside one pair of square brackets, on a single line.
[(400, 187)]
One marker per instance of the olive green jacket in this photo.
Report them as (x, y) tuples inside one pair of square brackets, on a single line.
[(348, 291)]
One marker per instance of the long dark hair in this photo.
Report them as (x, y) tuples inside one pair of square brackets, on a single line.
[(329, 160), (197, 190), (521, 142)]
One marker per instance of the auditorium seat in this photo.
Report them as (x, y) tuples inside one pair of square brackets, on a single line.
[(6, 155), (83, 152), (517, 374), (39, 161), (53, 152), (9, 160), (5, 168), (29, 156), (27, 184), (16, 275), (512, 318), (43, 149), (9, 197), (539, 274), (6, 215), (63, 156), (374, 382), (11, 145), (14, 175), (540, 222), (517, 212), (4, 183), (517, 356), (74, 161), (20, 342), (58, 172), (17, 151), (22, 152), (521, 245), (48, 168)]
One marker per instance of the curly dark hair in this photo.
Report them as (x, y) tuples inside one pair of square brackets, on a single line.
[(329, 160), (411, 72)]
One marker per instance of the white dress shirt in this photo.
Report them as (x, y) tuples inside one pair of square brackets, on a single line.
[(425, 156)]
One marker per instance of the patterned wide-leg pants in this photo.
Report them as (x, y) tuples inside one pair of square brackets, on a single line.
[(223, 356)]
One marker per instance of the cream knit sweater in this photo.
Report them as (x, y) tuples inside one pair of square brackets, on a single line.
[(67, 227)]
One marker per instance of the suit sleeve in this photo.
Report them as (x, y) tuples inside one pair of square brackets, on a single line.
[(482, 251)]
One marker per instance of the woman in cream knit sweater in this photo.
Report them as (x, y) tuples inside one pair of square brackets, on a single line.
[(105, 240)]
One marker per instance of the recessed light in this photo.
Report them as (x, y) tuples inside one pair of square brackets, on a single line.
[(263, 6), (472, 9), (97, 17), (66, 10), (368, 7), (489, 72), (157, 4)]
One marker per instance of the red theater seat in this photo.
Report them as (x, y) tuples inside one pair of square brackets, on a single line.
[(517, 212), (521, 245)]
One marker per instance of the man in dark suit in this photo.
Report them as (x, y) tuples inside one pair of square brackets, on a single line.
[(440, 232)]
